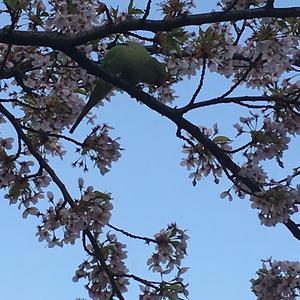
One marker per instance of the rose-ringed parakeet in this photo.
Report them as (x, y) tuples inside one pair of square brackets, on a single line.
[(132, 63)]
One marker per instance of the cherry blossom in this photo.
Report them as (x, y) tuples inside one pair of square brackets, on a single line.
[(277, 280), (99, 286), (242, 4), (276, 205), (200, 159), (171, 248)]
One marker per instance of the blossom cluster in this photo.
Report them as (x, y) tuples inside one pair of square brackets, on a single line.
[(287, 115), (268, 142), (200, 159), (92, 212), (175, 8), (100, 148), (241, 4), (25, 186), (170, 250), (74, 16), (56, 104), (166, 290), (214, 46), (276, 205), (277, 280), (271, 49), (254, 173), (279, 202), (99, 285), (171, 246)]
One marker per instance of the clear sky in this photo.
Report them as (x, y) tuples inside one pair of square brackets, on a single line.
[(151, 190)]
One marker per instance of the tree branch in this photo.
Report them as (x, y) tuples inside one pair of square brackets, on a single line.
[(175, 116), (59, 41), (171, 113), (134, 236)]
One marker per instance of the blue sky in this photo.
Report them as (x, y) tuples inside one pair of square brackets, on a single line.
[(151, 190)]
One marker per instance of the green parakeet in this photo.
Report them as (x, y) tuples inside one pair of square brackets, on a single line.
[(130, 62)]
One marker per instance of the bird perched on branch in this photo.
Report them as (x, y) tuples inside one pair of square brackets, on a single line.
[(130, 62)]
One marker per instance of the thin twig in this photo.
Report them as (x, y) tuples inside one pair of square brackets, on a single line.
[(143, 38), (192, 101), (49, 134), (141, 280), (146, 239), (239, 149), (239, 32), (237, 100)]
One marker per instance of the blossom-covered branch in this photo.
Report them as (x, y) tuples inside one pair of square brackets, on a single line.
[(60, 41), (43, 164)]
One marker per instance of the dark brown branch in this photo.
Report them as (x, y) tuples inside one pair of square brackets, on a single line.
[(143, 38), (60, 41), (145, 239), (171, 113), (239, 32), (177, 118), (186, 20), (240, 148), (270, 4), (252, 106), (85, 247)]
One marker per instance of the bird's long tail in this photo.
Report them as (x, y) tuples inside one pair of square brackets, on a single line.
[(100, 91)]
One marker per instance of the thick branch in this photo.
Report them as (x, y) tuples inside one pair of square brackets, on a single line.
[(173, 115), (164, 110), (59, 41)]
